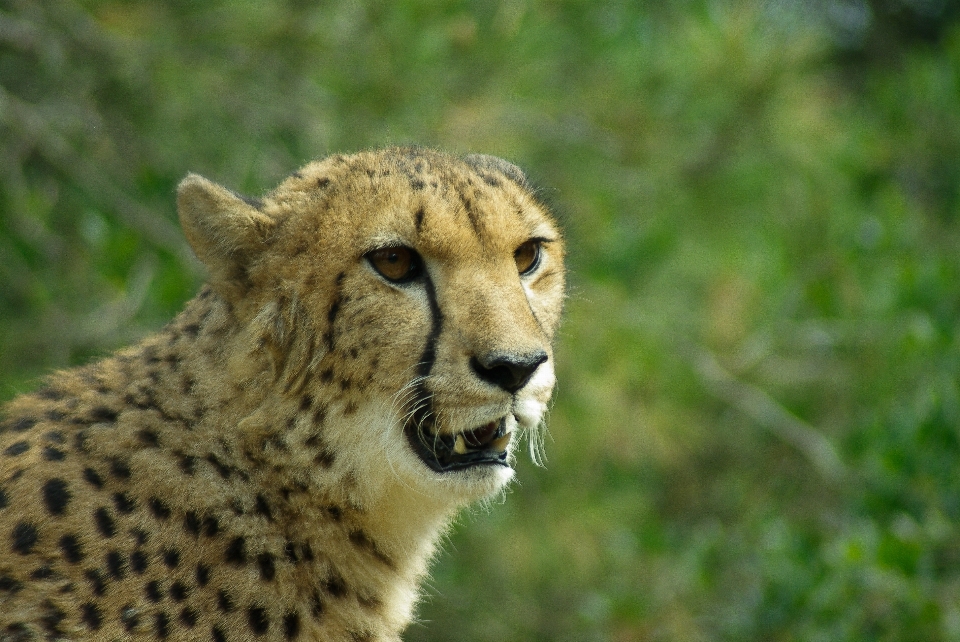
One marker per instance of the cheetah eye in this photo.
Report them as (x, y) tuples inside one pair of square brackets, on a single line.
[(527, 256), (396, 264)]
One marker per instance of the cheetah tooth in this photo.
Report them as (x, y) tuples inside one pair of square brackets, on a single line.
[(501, 442), (460, 446)]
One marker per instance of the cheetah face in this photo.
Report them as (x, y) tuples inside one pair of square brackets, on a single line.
[(421, 295), (446, 448)]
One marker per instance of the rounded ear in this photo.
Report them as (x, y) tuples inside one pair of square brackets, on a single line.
[(224, 229)]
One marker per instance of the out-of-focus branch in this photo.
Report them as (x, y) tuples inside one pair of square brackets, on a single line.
[(768, 413)]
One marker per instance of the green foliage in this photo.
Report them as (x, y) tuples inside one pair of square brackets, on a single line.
[(756, 430)]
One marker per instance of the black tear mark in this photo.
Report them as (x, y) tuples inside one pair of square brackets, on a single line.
[(429, 355)]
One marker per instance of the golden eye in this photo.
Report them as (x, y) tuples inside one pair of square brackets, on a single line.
[(527, 256), (397, 264)]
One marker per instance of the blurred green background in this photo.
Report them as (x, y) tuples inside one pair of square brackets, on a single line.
[(755, 435)]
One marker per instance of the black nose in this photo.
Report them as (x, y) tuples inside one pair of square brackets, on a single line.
[(508, 371)]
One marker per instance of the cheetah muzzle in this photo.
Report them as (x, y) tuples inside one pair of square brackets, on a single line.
[(280, 461)]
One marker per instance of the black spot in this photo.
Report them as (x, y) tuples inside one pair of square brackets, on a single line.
[(211, 526), (119, 468), (418, 219), (105, 522), (80, 441), (154, 591), (222, 468), (316, 605), (179, 591), (161, 624), (92, 477), (188, 464), (159, 508), (306, 402), (263, 508), (217, 634), (140, 535), (51, 620), (56, 437), (323, 181), (70, 545), (10, 585), (416, 184), (53, 454), (188, 617), (97, 582), (51, 394), (17, 448), (335, 513), (41, 573), (123, 503), (291, 625), (56, 496), (203, 574), (335, 586), (149, 438), (129, 617), (24, 538), (259, 622), (138, 562), (291, 550), (4, 500), (268, 569), (102, 414), (23, 424), (324, 458), (319, 415), (192, 523), (54, 415), (225, 602), (116, 564), (91, 616), (306, 552), (171, 558), (236, 551), (193, 329), (360, 539)]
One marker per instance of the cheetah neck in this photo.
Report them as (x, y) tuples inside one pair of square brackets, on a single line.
[(377, 532)]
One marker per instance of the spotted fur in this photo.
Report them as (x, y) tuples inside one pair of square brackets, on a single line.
[(248, 473)]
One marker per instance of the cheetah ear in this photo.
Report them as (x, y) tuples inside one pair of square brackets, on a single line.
[(224, 229), (486, 163)]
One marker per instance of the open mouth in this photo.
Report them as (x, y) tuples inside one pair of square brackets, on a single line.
[(486, 444)]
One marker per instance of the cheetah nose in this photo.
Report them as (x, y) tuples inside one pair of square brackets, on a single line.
[(508, 371)]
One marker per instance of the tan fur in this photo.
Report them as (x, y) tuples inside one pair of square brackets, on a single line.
[(244, 473)]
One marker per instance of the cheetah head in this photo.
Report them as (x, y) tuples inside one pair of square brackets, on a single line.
[(411, 296)]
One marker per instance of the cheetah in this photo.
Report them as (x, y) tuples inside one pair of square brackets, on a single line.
[(280, 460)]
